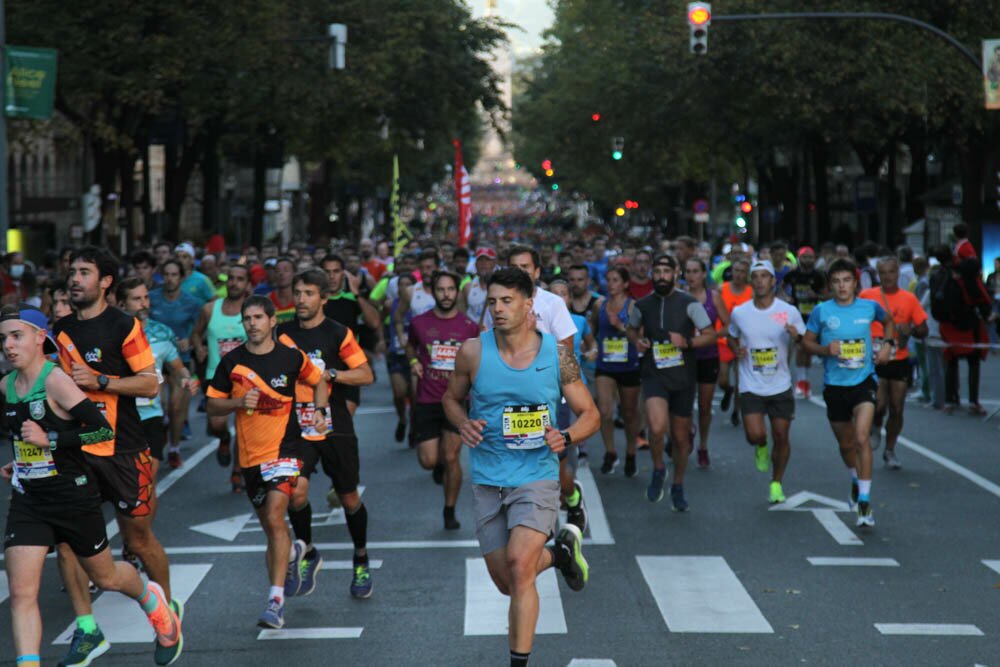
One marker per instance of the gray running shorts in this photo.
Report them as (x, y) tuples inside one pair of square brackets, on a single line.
[(500, 509)]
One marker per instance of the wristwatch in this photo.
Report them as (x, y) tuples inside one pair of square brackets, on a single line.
[(102, 381), (566, 436), (53, 437), (333, 374)]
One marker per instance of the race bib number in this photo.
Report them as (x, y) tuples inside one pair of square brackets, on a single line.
[(279, 468), (667, 355), (306, 413), (806, 308), (524, 426), (764, 360), (852, 354), (443, 356), (227, 345), (31, 462), (614, 350)]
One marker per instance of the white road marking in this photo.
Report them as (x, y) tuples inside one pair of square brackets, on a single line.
[(375, 410), (701, 594), (4, 588), (486, 608), (852, 562), (310, 633), (121, 619), (224, 529), (348, 565), (591, 662), (937, 629), (797, 501), (172, 478), (943, 461), (993, 565), (597, 520), (838, 529)]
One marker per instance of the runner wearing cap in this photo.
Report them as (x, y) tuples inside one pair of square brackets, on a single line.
[(804, 287), (57, 500), (760, 335), (894, 376), (668, 326), (473, 299), (195, 283), (839, 330)]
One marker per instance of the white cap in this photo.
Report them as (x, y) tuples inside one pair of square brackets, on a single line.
[(762, 265), (186, 248)]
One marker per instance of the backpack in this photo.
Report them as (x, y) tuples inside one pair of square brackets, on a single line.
[(949, 303)]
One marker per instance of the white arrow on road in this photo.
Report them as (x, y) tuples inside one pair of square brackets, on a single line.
[(797, 503), (224, 529)]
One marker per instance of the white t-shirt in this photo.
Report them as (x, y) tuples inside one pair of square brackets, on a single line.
[(551, 315), (764, 368), (420, 300)]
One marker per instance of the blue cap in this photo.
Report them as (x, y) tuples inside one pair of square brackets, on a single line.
[(36, 318)]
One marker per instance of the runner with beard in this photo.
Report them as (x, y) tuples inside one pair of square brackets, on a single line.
[(432, 345), (806, 287), (668, 326)]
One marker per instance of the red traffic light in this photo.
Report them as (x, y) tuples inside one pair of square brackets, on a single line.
[(595, 117), (699, 14), (629, 203), (546, 164), (746, 207)]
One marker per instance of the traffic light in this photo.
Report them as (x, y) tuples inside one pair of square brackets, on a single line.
[(619, 211), (595, 117), (550, 173), (746, 207), (555, 186), (546, 164), (630, 204), (699, 18), (617, 148)]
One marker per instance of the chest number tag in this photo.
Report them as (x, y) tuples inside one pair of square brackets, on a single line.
[(524, 426), (764, 360), (667, 355), (33, 462), (279, 468), (306, 414), (227, 345), (443, 356), (614, 350), (852, 354)]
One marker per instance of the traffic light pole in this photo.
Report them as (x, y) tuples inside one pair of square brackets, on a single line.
[(878, 16)]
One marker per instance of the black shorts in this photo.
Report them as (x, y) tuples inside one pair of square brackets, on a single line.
[(680, 401), (841, 401), (708, 370), (778, 406), (398, 364), (338, 454), (156, 436), (428, 422), (621, 378), (125, 480), (31, 525), (897, 369), (257, 488)]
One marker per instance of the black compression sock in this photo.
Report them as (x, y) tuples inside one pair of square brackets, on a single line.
[(519, 659), (302, 523), (357, 526)]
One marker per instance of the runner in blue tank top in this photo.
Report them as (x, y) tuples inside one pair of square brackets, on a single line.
[(839, 330), (517, 376)]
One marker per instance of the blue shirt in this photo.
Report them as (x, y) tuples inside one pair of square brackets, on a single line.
[(161, 342), (851, 325), (180, 314), (582, 331), (516, 405), (200, 286)]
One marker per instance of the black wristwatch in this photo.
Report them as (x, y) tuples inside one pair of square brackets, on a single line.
[(566, 436), (53, 437), (102, 381), (333, 374)]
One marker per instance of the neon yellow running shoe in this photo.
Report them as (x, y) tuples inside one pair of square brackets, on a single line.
[(777, 494)]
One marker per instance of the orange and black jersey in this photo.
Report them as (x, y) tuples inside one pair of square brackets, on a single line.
[(115, 345), (329, 345), (269, 428)]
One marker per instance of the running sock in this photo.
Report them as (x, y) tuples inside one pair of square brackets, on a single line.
[(301, 520), (519, 659), (87, 623), (277, 593), (864, 490), (573, 500), (34, 660), (147, 600), (357, 526)]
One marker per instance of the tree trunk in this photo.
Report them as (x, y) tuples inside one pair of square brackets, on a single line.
[(177, 176), (259, 198), (126, 164), (820, 158), (211, 221)]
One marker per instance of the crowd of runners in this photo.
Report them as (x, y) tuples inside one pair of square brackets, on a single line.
[(520, 348)]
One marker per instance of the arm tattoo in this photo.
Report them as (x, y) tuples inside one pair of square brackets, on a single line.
[(569, 369)]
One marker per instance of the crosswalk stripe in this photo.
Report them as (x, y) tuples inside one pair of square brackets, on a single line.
[(486, 608), (591, 662), (597, 521), (853, 562), (310, 633), (935, 629), (4, 589), (373, 564), (121, 619), (701, 594), (993, 565)]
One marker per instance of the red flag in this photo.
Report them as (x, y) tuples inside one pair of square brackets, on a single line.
[(463, 197)]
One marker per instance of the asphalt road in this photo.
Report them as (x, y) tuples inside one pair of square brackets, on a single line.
[(732, 582)]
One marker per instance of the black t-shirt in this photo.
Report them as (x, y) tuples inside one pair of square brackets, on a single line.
[(329, 345), (805, 289)]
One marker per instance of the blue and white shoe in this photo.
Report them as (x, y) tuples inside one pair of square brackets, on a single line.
[(361, 584), (308, 569), (293, 578), (654, 492), (274, 616)]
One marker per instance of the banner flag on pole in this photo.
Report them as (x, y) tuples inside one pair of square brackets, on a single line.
[(463, 197), (399, 230)]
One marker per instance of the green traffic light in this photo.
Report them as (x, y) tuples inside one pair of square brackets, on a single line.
[(741, 222), (617, 155), (555, 186)]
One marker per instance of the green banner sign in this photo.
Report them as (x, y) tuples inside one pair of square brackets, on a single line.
[(29, 82)]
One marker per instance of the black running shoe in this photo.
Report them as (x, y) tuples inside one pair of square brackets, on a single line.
[(400, 431), (450, 522), (577, 515), (630, 468), (727, 398), (610, 463)]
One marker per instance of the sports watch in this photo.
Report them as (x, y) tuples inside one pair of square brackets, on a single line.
[(102, 381), (566, 436), (53, 437)]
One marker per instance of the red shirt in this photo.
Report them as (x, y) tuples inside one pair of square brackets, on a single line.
[(639, 290), (375, 267), (964, 250)]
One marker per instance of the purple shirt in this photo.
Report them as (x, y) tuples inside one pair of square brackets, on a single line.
[(436, 341)]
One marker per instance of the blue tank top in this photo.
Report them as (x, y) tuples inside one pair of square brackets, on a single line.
[(516, 406), (614, 353)]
